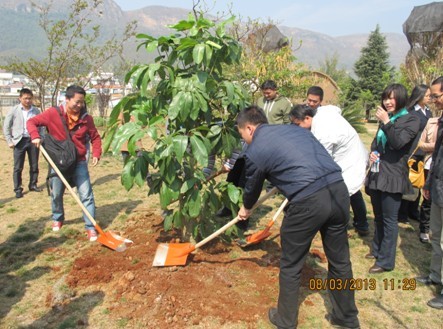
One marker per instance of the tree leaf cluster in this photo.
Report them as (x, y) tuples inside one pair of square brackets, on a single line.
[(187, 105)]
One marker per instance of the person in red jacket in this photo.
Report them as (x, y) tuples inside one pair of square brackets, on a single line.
[(82, 130)]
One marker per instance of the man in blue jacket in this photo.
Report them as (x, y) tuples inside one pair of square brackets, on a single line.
[(295, 162)]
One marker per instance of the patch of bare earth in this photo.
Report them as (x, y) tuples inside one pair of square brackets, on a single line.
[(212, 284)]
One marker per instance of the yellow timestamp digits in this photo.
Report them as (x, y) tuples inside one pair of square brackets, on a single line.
[(399, 284), (342, 284)]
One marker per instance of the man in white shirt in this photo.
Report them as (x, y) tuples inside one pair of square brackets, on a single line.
[(344, 145)]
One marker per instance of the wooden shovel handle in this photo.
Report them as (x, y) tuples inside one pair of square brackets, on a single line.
[(277, 213), (236, 219), (74, 195)]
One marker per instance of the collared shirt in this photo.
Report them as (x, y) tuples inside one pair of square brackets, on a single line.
[(27, 114), (419, 108)]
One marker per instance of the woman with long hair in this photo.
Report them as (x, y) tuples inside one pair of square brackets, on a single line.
[(417, 105), (388, 179)]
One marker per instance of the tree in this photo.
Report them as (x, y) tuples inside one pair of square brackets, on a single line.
[(351, 105), (186, 90), (73, 52), (373, 69), (259, 64)]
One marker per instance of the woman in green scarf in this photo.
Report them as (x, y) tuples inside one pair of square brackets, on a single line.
[(388, 179)]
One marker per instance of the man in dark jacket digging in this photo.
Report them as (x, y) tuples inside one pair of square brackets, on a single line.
[(295, 162)]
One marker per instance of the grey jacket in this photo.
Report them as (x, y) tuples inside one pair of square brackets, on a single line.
[(14, 124)]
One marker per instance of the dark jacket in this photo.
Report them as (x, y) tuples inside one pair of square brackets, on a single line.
[(289, 157), (394, 172), (434, 181), (81, 133)]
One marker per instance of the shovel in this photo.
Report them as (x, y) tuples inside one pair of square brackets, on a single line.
[(263, 234), (110, 240), (174, 254)]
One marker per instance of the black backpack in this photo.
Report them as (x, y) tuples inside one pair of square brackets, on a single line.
[(63, 153)]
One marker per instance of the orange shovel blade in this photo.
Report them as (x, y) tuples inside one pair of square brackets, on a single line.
[(258, 236), (112, 241), (172, 254)]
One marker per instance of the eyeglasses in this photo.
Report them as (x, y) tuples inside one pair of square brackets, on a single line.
[(433, 96)]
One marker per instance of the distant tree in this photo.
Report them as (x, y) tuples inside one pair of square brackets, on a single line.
[(373, 69), (259, 64), (330, 67), (74, 49)]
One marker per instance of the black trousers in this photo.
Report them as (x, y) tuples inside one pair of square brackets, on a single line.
[(358, 206), (20, 150), (425, 212), (326, 211)]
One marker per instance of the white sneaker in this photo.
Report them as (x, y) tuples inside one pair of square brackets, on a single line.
[(92, 235), (56, 226)]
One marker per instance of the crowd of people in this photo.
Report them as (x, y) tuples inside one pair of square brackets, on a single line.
[(313, 156)]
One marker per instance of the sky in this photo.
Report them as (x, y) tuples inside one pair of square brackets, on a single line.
[(331, 17)]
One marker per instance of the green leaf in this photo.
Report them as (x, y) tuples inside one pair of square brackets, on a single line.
[(199, 150), (176, 105), (198, 53), (186, 106), (127, 178), (213, 44), (177, 219), (168, 222), (180, 143), (151, 46), (189, 184), (194, 203), (166, 196), (234, 193), (182, 25), (208, 53), (140, 170)]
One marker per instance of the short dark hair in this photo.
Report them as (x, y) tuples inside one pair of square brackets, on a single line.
[(74, 89), (400, 95), (301, 111), (269, 84), (417, 94), (439, 81), (316, 90), (251, 114), (26, 91)]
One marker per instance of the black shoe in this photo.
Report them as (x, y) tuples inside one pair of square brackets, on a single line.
[(375, 269), (436, 302), (403, 221), (272, 313), (362, 232), (35, 188), (224, 212), (426, 280), (337, 324), (19, 194)]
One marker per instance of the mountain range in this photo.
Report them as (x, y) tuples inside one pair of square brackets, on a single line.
[(22, 36)]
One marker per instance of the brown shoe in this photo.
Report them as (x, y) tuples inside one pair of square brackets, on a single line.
[(369, 256)]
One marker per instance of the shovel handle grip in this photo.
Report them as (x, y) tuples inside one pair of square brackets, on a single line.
[(236, 219), (76, 198)]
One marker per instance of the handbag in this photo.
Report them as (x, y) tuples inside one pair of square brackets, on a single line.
[(416, 171)]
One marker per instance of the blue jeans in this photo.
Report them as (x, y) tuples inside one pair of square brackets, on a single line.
[(384, 245), (83, 182)]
